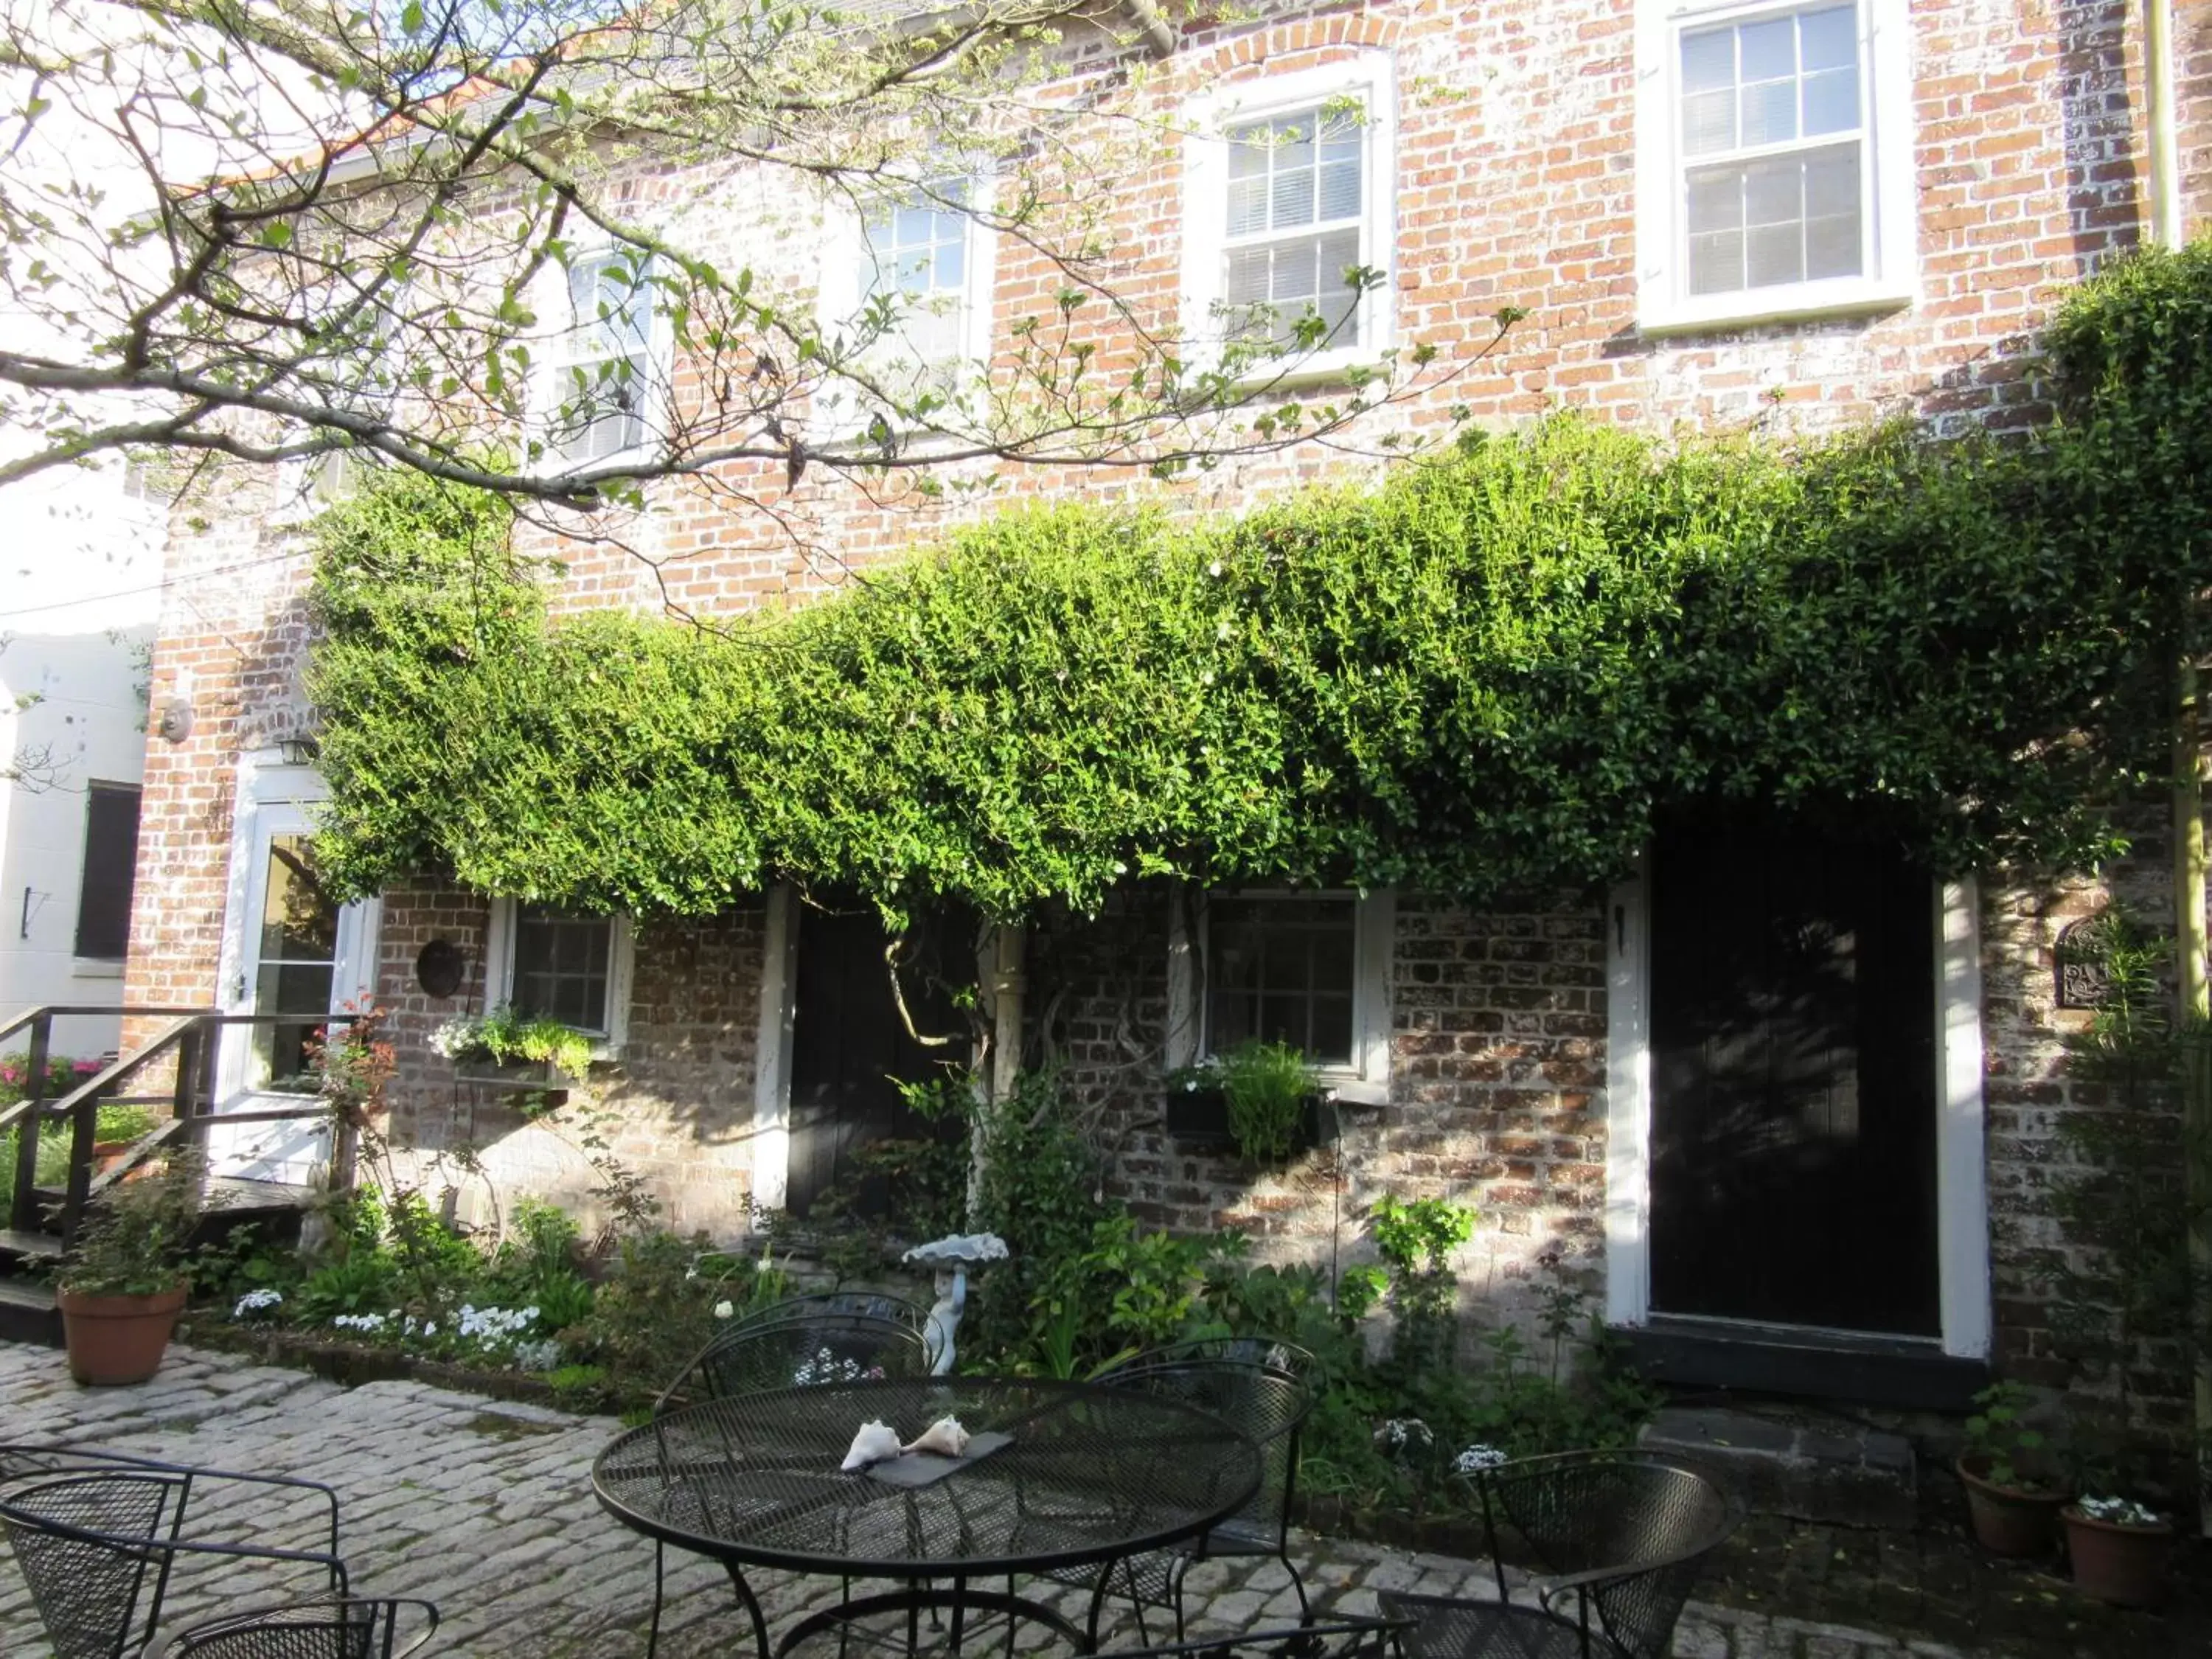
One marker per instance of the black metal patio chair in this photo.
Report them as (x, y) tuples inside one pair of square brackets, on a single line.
[(1258, 1384), (1616, 1538), (803, 1341), (1336, 1638), (98, 1536), (334, 1627)]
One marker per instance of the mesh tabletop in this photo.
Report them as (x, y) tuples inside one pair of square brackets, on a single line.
[(1086, 1474)]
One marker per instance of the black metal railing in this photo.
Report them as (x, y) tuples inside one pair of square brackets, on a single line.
[(193, 1037)]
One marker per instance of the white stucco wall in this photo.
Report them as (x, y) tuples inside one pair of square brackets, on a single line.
[(80, 569)]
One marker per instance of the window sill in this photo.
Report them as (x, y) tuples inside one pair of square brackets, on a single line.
[(96, 968), (1333, 368), (1809, 303), (1356, 1092)]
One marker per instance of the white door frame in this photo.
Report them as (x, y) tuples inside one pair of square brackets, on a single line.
[(274, 796), (1962, 1192), (771, 1138)]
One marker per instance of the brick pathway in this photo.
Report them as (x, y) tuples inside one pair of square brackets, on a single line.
[(485, 1507)]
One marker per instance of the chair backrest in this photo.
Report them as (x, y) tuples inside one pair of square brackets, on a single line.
[(332, 1627), (1267, 1404), (1335, 1638), (841, 1305), (1639, 1525), (797, 1352), (1271, 1351), (86, 1544)]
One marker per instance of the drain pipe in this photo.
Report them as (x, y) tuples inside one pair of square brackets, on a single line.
[(2165, 164), (1158, 32)]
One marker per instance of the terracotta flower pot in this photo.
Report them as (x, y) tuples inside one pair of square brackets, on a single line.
[(2009, 1521), (2123, 1564), (116, 1339)]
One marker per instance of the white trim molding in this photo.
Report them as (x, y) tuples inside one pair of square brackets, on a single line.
[(499, 974), (771, 1137), (1627, 1105), (1888, 278), (1962, 1206)]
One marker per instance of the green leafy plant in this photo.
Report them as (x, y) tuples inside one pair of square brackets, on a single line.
[(136, 1237), (2009, 1450), (1267, 1086), (503, 1035)]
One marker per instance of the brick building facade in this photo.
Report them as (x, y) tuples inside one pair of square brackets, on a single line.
[(1536, 155)]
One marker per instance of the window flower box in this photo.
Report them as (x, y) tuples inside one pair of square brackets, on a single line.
[(1196, 1117), (513, 1076)]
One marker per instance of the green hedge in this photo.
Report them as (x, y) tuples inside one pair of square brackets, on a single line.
[(1484, 676)]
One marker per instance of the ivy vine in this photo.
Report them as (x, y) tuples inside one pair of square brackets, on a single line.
[(1486, 675)]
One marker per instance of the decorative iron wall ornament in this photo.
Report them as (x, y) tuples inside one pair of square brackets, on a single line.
[(2080, 959), (441, 967)]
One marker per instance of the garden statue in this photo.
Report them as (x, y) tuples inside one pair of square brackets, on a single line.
[(952, 1256)]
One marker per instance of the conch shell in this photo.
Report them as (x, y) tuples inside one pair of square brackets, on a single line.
[(945, 1436), (874, 1443)]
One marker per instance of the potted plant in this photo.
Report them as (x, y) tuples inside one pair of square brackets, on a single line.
[(503, 1050), (2118, 1549), (1260, 1099), (2009, 1496), (124, 1283)]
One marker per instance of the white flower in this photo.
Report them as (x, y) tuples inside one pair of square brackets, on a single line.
[(2118, 1511), (1478, 1457), (724, 1309), (256, 1301), (1404, 1434), (459, 1036), (1213, 569), (359, 1321), (536, 1356)]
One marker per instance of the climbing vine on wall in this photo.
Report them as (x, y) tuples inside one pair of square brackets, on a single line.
[(1485, 675)]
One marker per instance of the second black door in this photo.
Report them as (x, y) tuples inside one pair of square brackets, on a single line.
[(1793, 1083), (850, 1048)]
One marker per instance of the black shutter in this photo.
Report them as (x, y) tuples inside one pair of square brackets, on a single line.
[(111, 864)]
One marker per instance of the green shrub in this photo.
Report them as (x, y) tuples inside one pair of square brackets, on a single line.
[(1267, 1086)]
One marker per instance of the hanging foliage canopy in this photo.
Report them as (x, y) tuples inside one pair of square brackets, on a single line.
[(1486, 675)]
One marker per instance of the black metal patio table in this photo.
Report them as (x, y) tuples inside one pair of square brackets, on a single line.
[(1059, 1474)]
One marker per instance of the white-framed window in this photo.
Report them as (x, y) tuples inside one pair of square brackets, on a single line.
[(909, 280), (1774, 160), (546, 962), (1290, 188), (1312, 969), (600, 381)]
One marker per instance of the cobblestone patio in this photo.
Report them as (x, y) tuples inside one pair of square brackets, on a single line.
[(485, 1507)]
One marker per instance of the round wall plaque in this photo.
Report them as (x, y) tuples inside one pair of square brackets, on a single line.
[(439, 969)]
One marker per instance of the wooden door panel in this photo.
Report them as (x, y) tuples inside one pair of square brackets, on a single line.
[(1793, 1137)]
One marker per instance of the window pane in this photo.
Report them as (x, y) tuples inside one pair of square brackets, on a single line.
[(1716, 262), (1716, 202), (561, 967), (1828, 39), (1291, 198), (1709, 122), (1832, 103), (1832, 182), (299, 921), (1774, 253), (1770, 112), (1248, 205), (1708, 60), (1768, 50), (1281, 969), (1773, 192)]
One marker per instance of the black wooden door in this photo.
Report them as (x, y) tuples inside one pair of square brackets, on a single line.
[(1793, 1086), (850, 1045)]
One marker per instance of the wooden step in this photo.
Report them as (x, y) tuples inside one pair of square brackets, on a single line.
[(31, 1246), (27, 1313)]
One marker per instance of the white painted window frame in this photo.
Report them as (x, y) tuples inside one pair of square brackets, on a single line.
[(840, 294), (550, 364), (1374, 918), (500, 935), (1370, 76), (1961, 1174), (274, 796), (1891, 280)]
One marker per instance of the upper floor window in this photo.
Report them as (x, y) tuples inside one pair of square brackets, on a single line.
[(601, 373), (111, 869), (1774, 175), (916, 264), (1289, 221)]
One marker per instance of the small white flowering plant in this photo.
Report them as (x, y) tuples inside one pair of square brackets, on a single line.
[(502, 1036), (254, 1304), (2117, 1511)]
